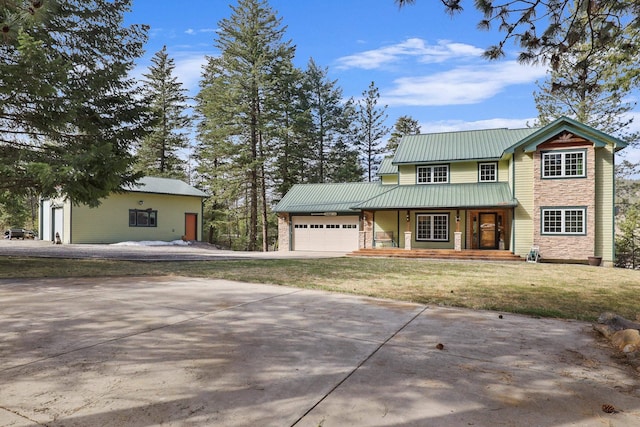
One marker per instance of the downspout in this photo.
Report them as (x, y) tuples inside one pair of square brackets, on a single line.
[(40, 217), (613, 200), (201, 219), (70, 222), (513, 209)]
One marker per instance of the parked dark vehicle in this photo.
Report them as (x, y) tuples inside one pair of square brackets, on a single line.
[(19, 233)]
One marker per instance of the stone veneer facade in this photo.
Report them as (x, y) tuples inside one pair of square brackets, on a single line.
[(565, 193), (367, 227), (283, 232)]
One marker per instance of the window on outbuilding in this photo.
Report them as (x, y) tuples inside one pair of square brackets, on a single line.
[(143, 218)]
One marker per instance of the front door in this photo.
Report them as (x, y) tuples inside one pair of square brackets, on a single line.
[(190, 226), (488, 231)]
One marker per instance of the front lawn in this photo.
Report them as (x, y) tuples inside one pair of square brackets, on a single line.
[(550, 290)]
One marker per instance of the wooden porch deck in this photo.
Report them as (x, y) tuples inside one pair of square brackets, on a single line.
[(467, 254)]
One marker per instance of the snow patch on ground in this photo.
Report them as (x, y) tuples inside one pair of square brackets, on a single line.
[(153, 243)]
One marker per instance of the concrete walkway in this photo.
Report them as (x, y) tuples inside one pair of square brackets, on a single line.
[(200, 352)]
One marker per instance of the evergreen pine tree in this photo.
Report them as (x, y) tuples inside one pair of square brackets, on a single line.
[(405, 125), (371, 129), (232, 105), (286, 129), (69, 111), (327, 124), (158, 152)]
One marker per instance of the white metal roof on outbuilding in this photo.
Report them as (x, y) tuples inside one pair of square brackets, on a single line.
[(155, 185)]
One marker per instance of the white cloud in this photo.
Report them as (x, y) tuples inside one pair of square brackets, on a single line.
[(192, 32), (461, 125), (189, 70), (461, 85), (412, 48)]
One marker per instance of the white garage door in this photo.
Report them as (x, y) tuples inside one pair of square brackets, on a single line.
[(325, 233)]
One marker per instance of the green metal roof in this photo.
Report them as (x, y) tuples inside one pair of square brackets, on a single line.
[(150, 184), (308, 198), (387, 167), (470, 195), (458, 146)]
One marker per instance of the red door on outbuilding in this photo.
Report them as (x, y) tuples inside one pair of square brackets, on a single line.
[(190, 226)]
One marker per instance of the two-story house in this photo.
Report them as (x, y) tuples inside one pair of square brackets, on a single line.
[(500, 189)]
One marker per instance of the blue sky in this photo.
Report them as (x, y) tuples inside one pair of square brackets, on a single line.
[(426, 64)]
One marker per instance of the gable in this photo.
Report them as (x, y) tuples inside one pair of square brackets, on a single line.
[(569, 131)]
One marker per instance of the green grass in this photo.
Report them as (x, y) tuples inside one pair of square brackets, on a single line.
[(547, 290)]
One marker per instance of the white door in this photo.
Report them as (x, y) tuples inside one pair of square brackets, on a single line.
[(58, 223), (325, 233), (47, 221)]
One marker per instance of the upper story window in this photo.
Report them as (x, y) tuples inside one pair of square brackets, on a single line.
[(432, 174), (487, 172), (143, 218), (563, 164)]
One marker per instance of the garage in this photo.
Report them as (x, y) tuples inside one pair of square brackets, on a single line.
[(325, 233)]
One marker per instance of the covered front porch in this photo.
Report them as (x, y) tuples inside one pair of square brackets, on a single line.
[(447, 217), (438, 229)]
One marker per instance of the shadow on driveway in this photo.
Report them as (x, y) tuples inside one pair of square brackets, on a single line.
[(194, 352)]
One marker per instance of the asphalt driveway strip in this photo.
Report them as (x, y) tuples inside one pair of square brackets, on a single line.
[(201, 352)]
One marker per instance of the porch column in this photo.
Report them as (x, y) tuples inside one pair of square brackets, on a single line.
[(457, 241), (457, 235), (407, 240)]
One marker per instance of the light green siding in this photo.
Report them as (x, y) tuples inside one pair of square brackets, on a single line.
[(504, 171), (604, 239), (389, 179), (109, 223), (407, 174), (524, 212), (463, 172), (387, 221)]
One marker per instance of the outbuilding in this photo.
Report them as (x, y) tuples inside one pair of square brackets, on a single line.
[(153, 209)]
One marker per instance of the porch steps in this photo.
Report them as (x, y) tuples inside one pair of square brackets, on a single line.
[(479, 255)]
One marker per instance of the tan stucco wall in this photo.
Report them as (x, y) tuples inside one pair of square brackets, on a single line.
[(109, 223)]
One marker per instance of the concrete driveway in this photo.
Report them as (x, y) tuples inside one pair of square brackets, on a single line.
[(194, 252), (199, 352)]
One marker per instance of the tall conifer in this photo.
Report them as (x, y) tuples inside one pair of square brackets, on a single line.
[(251, 46), (69, 111), (158, 153)]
